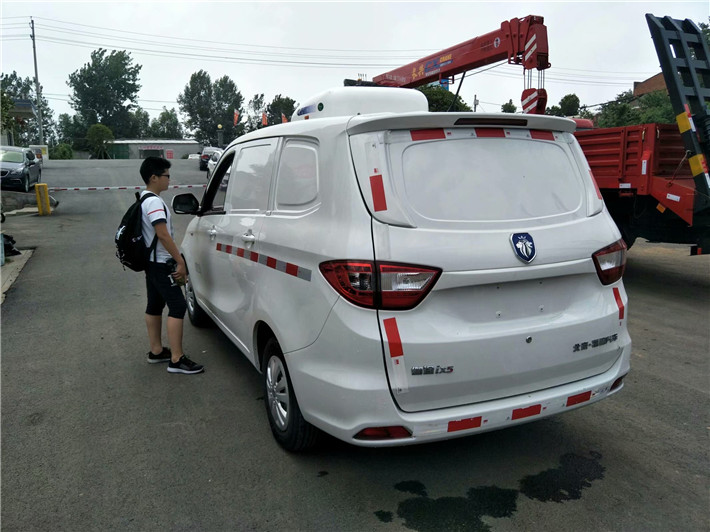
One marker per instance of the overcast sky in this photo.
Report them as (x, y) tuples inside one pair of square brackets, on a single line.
[(297, 49)]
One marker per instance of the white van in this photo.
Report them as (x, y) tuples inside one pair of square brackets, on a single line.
[(400, 276)]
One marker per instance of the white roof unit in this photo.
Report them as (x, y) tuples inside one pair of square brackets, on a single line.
[(351, 101)]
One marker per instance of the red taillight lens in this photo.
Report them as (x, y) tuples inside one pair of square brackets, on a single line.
[(383, 433), (351, 279), (610, 262), (390, 287)]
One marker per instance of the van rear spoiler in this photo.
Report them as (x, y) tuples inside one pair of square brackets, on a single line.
[(382, 122)]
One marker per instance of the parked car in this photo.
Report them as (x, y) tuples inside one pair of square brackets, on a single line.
[(19, 169), (205, 156), (399, 276), (213, 161)]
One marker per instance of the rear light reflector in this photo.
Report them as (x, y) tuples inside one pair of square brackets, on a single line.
[(610, 262), (388, 286), (383, 433)]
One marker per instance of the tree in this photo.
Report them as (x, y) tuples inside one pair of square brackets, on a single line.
[(509, 107), (7, 124), (255, 109), (440, 99), (99, 137), (278, 106), (167, 125), (61, 151), (554, 110), (72, 130), (705, 28), (208, 105), (105, 90), (656, 107), (569, 105), (27, 131), (620, 112)]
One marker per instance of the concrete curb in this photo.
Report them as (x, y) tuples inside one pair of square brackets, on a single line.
[(12, 268)]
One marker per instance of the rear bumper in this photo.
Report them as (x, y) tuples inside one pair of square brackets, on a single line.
[(341, 386)]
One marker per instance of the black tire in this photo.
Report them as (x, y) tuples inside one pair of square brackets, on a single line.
[(26, 184), (198, 317), (291, 431)]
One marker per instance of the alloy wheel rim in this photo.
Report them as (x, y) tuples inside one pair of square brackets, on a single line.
[(277, 392)]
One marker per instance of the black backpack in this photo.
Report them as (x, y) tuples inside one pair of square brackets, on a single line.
[(130, 247)]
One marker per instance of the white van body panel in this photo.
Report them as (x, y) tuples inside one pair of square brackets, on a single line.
[(496, 342)]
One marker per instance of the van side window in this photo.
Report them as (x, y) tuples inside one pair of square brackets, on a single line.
[(251, 177), (297, 182), (217, 187)]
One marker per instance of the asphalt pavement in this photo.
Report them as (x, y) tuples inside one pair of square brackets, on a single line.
[(94, 438)]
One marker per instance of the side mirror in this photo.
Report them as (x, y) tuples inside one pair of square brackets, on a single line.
[(185, 204)]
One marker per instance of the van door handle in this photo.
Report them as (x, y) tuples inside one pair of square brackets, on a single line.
[(249, 237), (213, 233)]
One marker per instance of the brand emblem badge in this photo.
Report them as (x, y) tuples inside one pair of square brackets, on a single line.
[(524, 246)]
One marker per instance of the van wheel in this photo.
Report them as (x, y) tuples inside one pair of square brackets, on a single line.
[(198, 317), (287, 424), (26, 184)]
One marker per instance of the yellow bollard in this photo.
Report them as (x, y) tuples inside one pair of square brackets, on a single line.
[(42, 193)]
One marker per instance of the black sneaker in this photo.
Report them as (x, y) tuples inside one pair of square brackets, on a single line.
[(164, 356), (185, 365)]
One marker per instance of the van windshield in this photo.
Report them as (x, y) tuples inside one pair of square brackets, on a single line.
[(490, 179)]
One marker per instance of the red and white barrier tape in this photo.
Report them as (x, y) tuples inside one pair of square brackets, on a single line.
[(62, 189)]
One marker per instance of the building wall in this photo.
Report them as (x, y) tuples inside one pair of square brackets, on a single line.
[(143, 149), (652, 84)]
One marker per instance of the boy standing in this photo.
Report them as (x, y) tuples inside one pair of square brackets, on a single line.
[(162, 283)]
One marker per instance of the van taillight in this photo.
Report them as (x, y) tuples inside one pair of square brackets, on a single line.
[(610, 262), (390, 286)]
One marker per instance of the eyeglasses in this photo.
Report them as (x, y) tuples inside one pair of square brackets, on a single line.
[(165, 175)]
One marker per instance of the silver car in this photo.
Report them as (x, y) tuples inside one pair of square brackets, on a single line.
[(213, 161)]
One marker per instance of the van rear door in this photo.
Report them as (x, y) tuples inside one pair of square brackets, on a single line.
[(511, 217)]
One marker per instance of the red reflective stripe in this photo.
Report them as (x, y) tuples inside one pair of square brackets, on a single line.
[(393, 339), (542, 135), (619, 303), (271, 262), (291, 269), (254, 257), (379, 201), (219, 247), (486, 132), (427, 134), (579, 398), (520, 413), (463, 424), (240, 252)]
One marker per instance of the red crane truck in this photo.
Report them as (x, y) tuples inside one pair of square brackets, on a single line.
[(653, 179)]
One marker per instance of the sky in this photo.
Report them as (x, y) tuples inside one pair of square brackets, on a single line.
[(298, 49)]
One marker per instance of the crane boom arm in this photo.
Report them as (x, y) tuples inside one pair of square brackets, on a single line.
[(520, 41)]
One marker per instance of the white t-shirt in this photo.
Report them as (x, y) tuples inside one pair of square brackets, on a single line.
[(155, 211)]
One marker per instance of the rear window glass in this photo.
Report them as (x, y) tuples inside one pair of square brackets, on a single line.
[(490, 179)]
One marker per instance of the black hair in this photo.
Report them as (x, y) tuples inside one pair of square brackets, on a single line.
[(153, 166)]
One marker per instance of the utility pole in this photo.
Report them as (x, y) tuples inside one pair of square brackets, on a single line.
[(37, 87), (475, 102)]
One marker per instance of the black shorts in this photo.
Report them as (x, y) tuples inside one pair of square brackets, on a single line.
[(160, 292)]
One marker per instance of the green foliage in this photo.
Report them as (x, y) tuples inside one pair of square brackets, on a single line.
[(208, 105), (26, 131), (509, 107), (167, 125), (72, 130), (255, 108), (61, 151), (280, 104), (569, 105), (6, 104), (99, 137), (705, 28), (440, 99), (625, 111), (554, 110), (101, 89)]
